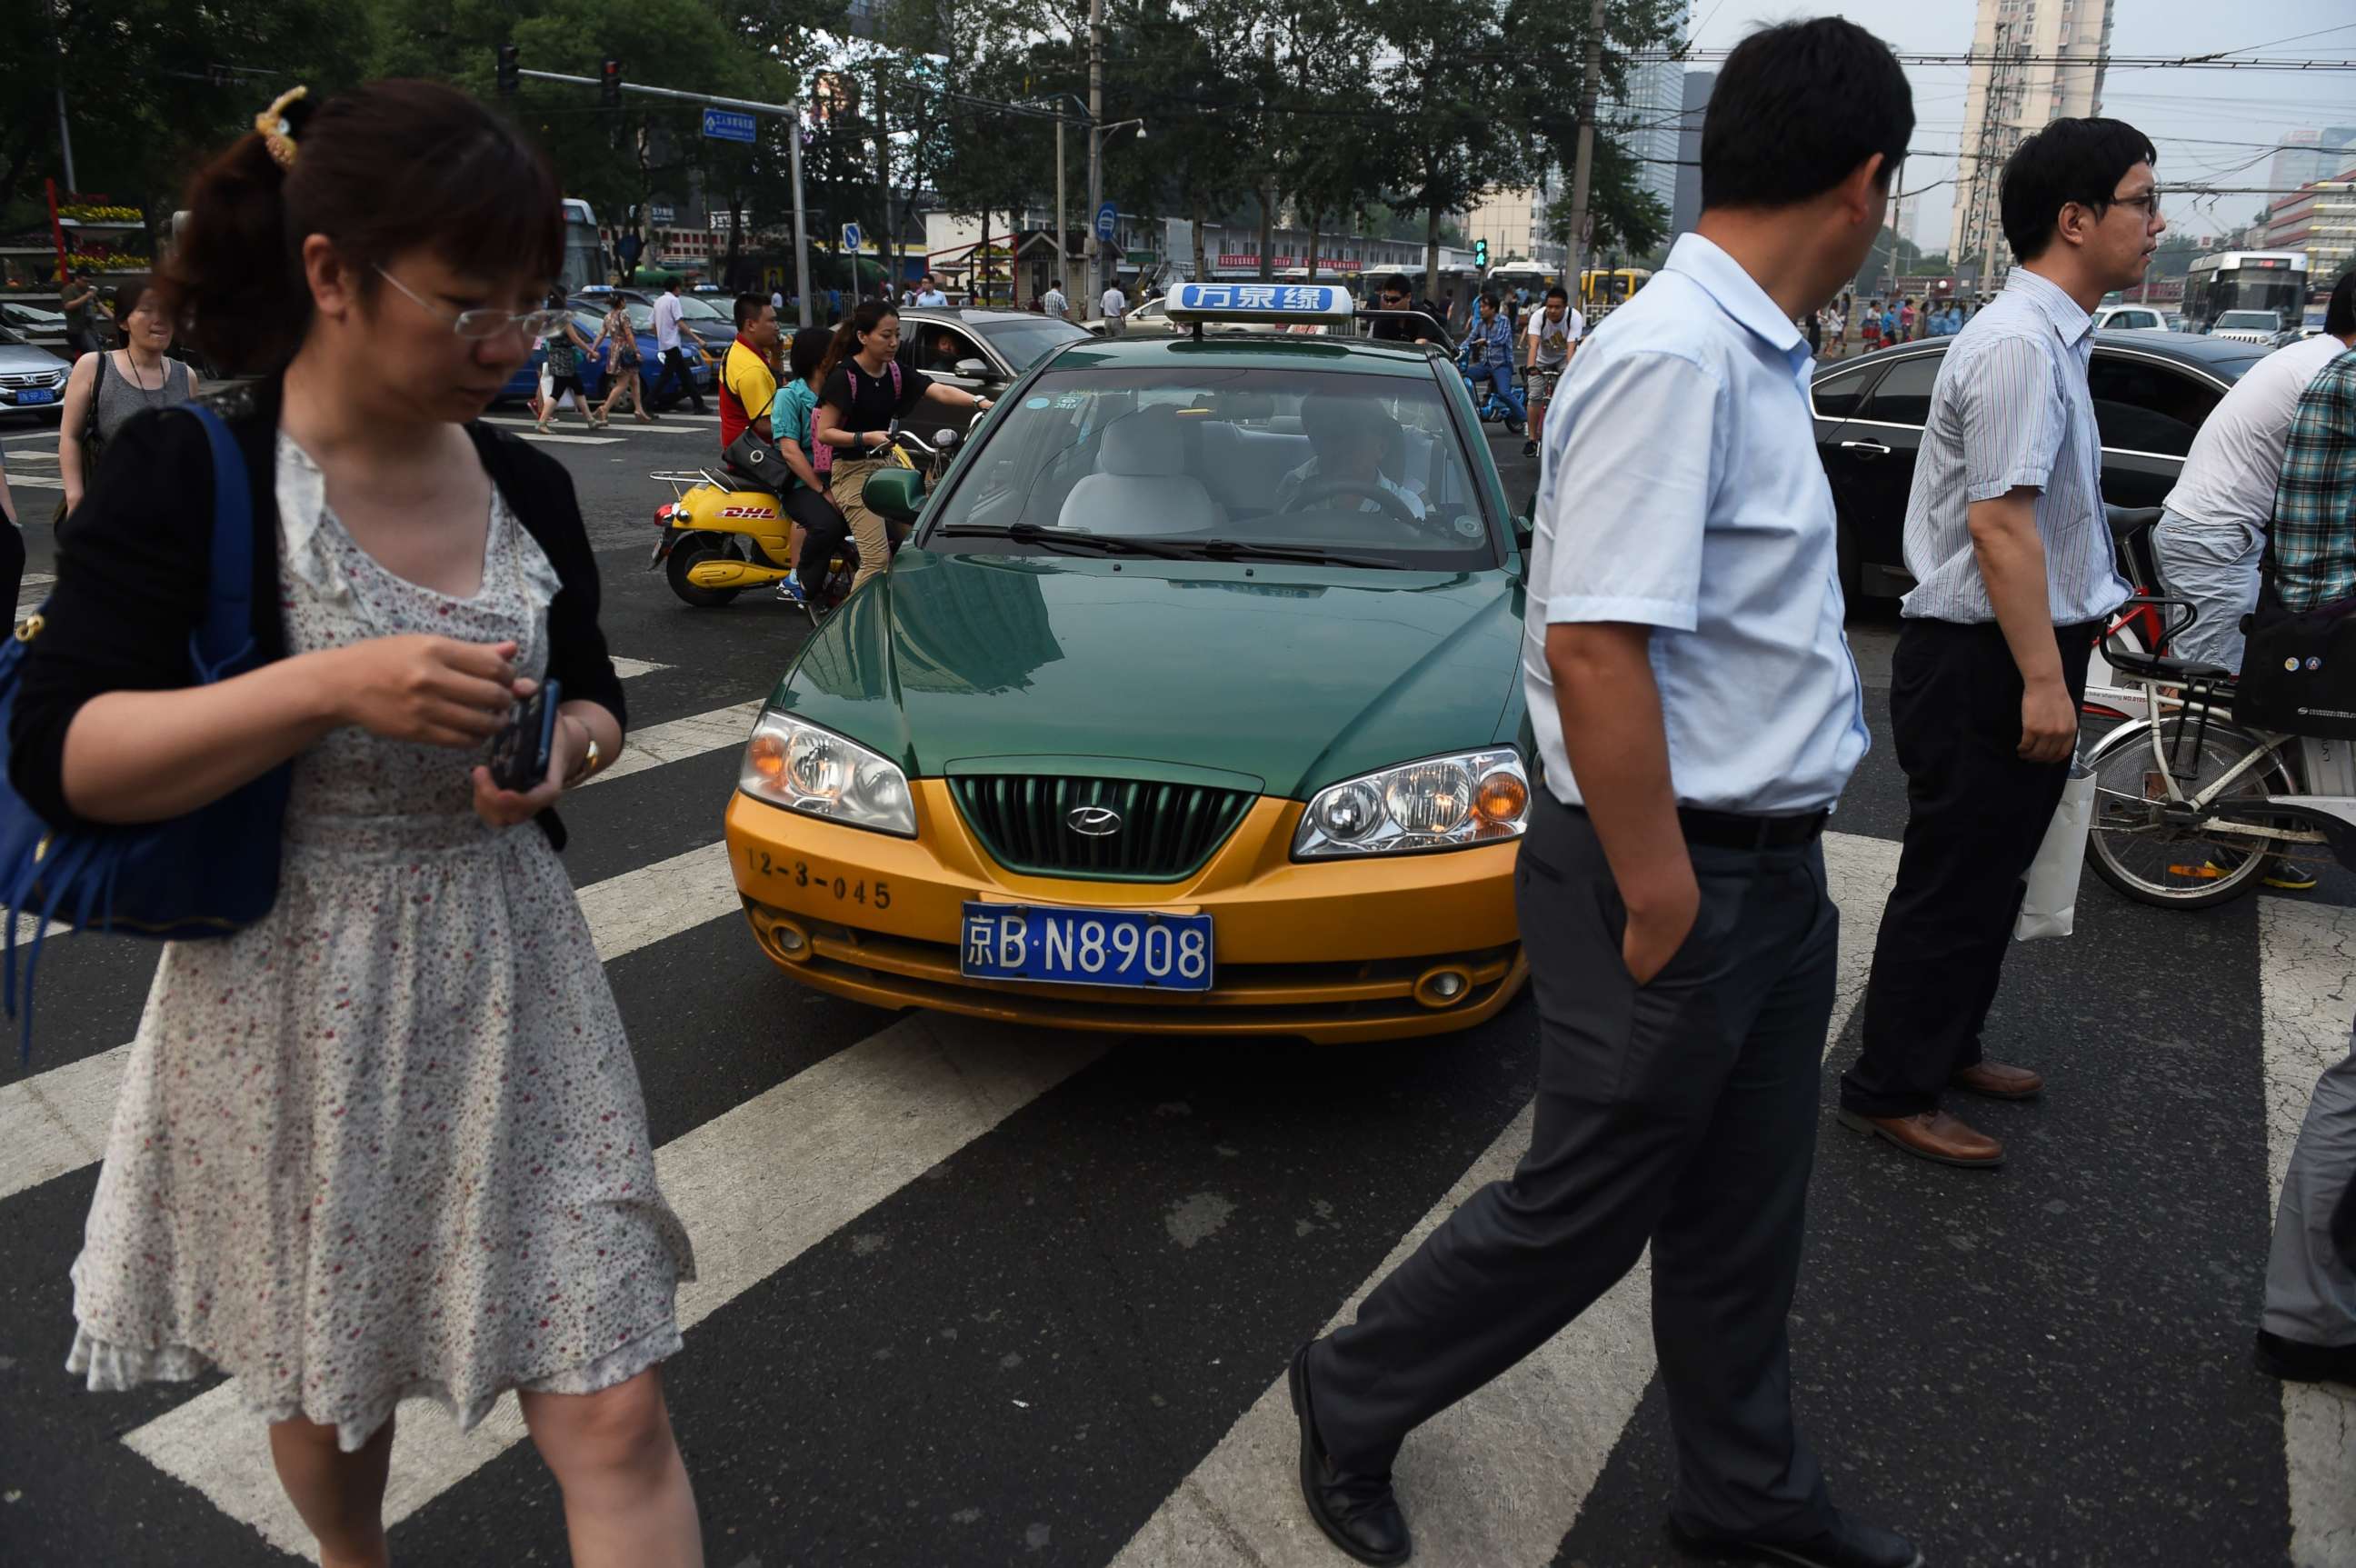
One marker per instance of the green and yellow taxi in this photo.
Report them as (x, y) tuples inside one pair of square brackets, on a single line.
[(1193, 705)]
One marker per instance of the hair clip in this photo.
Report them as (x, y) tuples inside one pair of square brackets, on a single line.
[(277, 126)]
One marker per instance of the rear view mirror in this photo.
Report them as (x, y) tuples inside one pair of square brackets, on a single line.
[(973, 367), (895, 492)]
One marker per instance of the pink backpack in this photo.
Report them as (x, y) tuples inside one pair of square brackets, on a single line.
[(822, 452)]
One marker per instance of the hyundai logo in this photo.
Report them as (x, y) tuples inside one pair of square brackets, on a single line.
[(1093, 821)]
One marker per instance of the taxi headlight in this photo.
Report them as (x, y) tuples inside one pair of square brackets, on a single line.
[(1440, 802), (805, 768)]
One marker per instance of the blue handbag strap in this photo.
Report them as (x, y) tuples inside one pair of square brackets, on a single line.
[(225, 635)]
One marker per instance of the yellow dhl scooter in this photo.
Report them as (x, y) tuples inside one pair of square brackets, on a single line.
[(723, 532)]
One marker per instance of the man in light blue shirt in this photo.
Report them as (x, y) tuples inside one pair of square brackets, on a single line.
[(2014, 573), (1697, 715)]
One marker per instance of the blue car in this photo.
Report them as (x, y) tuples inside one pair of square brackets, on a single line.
[(591, 315)]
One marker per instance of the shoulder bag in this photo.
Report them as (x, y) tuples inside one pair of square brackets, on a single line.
[(210, 873)]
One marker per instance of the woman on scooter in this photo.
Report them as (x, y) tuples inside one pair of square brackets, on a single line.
[(862, 390), (820, 527)]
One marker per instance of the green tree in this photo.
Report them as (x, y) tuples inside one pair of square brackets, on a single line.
[(200, 72)]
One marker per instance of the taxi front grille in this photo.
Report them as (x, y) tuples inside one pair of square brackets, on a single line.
[(1159, 833)]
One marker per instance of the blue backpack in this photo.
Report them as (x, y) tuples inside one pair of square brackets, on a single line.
[(210, 873)]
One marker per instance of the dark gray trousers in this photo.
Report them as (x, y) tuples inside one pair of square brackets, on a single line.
[(1682, 1114)]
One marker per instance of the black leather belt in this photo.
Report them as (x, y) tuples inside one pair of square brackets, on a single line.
[(1740, 830), (1736, 830)]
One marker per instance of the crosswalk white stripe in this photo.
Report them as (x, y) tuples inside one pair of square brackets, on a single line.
[(57, 1121), (34, 481), (1498, 1479), (2307, 961), (755, 1186), (631, 669), (553, 440), (666, 428), (682, 738)]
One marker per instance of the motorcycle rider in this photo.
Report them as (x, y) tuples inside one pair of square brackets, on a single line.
[(749, 396), (1488, 352)]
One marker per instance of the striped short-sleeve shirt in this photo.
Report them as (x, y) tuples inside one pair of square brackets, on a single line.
[(2010, 410)]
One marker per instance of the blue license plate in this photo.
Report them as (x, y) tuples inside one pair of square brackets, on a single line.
[(1085, 947), (28, 395)]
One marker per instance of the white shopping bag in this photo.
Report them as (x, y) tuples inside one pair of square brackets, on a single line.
[(2052, 905)]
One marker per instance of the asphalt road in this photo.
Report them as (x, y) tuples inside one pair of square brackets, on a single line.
[(971, 1297)]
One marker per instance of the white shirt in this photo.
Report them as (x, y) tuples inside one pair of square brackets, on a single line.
[(1294, 479), (1115, 302), (932, 298), (2230, 475), (1056, 305), (1728, 553), (666, 322), (2011, 409), (1554, 345)]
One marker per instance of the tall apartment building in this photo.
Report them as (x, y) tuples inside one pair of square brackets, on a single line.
[(2032, 60), (1514, 224), (1646, 116), (2305, 156), (1686, 209)]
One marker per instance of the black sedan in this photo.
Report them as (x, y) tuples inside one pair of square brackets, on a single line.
[(977, 350), (2151, 392)]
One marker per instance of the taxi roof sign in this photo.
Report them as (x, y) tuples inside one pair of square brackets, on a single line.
[(1289, 304)]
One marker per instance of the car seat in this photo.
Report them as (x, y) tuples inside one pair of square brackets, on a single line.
[(1141, 484)]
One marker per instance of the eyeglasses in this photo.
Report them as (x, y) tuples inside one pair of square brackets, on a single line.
[(2148, 201), (477, 324)]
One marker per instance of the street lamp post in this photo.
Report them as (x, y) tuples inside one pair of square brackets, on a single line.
[(1095, 145)]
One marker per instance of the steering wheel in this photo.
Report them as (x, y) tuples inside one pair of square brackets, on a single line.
[(1323, 489)]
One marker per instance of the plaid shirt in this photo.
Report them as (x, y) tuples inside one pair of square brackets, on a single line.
[(2315, 504)]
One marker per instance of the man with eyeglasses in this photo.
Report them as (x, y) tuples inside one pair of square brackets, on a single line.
[(2015, 573)]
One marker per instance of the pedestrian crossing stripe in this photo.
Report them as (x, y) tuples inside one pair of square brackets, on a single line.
[(1497, 1480)]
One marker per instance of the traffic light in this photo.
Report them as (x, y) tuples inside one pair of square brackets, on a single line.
[(609, 83), (1480, 254), (507, 78)]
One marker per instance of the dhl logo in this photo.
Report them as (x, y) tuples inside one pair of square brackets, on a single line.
[(748, 511)]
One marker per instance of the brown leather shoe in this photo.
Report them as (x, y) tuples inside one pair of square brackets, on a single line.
[(1999, 1081), (1932, 1136)]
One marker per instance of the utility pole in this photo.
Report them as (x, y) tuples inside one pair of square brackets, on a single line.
[(1096, 148), (1582, 171), (1060, 230), (65, 132), (801, 236)]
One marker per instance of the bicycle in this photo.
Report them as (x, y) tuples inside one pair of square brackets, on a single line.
[(2190, 806), (1540, 382), (1491, 405)]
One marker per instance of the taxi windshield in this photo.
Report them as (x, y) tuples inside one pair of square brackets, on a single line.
[(1319, 465)]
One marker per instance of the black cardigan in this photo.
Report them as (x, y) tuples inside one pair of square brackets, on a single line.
[(134, 561)]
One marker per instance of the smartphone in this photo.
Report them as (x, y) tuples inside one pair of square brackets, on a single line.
[(521, 752)]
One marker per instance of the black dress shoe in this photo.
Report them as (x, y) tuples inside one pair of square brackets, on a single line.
[(1844, 1543), (1358, 1513), (2295, 1362)]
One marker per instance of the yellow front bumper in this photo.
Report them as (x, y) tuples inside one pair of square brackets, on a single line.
[(1331, 950)]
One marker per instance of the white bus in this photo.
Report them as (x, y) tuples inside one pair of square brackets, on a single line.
[(2245, 280), (585, 265)]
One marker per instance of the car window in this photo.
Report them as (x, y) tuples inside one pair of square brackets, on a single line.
[(937, 346), (2250, 321), (1023, 344), (2141, 405), (1836, 396), (1360, 464), (12, 340), (1903, 396)]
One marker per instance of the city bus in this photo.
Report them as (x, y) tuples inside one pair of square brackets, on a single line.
[(2245, 280), (585, 264), (1507, 276), (1600, 288)]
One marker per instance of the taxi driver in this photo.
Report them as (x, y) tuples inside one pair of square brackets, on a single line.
[(1348, 436)]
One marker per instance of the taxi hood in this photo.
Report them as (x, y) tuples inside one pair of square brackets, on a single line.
[(1289, 676)]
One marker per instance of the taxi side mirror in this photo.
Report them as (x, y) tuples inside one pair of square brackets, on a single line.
[(895, 492)]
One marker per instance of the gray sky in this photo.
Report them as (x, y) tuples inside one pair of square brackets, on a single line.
[(2208, 125)]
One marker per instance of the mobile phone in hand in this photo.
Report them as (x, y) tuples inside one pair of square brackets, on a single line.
[(520, 753)]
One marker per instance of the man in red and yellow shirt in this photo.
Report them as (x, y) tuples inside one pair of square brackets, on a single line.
[(748, 379)]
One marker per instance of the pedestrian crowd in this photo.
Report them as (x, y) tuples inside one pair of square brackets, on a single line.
[(379, 264)]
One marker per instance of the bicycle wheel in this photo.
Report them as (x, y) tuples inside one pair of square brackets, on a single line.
[(2140, 849)]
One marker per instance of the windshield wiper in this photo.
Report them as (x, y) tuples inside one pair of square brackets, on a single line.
[(1244, 550), (1070, 538)]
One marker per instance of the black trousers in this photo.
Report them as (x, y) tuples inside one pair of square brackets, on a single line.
[(674, 362), (1975, 814), (824, 529), (1682, 1114)]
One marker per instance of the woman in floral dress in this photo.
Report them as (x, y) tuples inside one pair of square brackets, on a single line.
[(388, 1142)]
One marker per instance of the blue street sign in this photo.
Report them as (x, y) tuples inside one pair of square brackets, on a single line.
[(728, 125), (850, 236), (1106, 218)]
